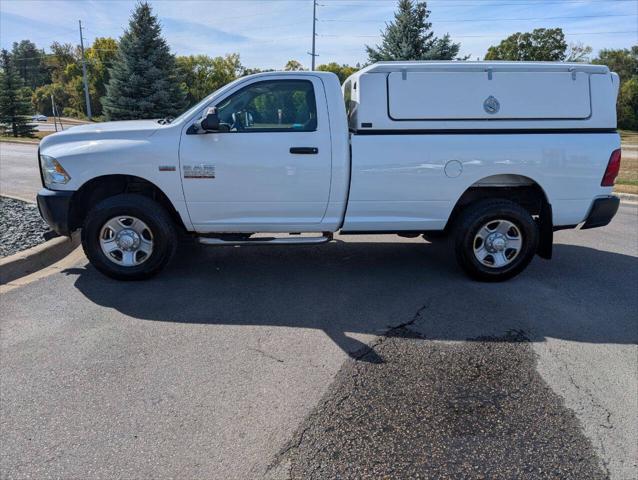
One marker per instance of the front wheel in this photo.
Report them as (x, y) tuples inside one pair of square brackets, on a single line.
[(495, 240), (128, 237)]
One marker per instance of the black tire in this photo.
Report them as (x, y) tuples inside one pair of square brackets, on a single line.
[(479, 214), (148, 211)]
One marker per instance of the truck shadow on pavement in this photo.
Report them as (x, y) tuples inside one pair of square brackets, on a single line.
[(347, 288)]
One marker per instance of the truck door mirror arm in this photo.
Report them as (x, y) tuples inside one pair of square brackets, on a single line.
[(209, 123)]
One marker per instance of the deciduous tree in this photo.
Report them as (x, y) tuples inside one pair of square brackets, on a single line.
[(628, 104), (577, 52), (341, 71), (41, 98), (293, 66), (62, 55), (100, 57), (541, 44), (624, 62), (200, 75)]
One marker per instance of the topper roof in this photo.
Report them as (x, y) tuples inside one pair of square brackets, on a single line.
[(416, 66)]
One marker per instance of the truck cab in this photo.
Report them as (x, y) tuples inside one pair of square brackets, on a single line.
[(495, 156)]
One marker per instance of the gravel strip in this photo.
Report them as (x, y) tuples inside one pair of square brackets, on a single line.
[(422, 409), (21, 226)]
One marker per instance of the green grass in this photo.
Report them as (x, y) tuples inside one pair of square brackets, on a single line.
[(37, 136), (4, 138), (627, 181)]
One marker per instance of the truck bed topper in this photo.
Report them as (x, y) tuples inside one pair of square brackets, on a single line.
[(481, 95)]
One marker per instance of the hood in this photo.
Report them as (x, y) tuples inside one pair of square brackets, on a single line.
[(148, 126), (125, 130)]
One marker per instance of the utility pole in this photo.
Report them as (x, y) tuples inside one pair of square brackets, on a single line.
[(86, 82), (56, 115), (55, 120), (314, 32)]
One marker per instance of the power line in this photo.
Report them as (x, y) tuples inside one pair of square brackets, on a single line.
[(496, 35), (457, 5), (479, 3), (488, 19)]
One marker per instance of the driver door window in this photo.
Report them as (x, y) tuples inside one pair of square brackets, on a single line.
[(271, 106)]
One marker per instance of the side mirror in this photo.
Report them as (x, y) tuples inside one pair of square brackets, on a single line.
[(209, 121)]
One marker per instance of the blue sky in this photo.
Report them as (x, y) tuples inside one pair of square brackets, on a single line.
[(267, 33)]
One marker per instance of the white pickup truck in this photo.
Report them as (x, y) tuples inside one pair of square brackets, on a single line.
[(495, 156)]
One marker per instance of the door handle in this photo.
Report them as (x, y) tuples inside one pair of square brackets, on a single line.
[(304, 150)]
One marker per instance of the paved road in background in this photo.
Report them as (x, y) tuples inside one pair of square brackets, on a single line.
[(19, 175), (211, 369), (47, 126)]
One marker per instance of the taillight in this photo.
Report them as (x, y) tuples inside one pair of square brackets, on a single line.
[(612, 170)]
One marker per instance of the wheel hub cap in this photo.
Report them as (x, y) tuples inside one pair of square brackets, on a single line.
[(497, 243), (126, 241)]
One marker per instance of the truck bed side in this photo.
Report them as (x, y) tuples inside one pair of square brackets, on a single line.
[(413, 181)]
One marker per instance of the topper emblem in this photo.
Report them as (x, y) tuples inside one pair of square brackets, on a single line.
[(491, 105)]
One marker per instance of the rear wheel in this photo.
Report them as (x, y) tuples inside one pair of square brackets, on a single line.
[(495, 240), (128, 237)]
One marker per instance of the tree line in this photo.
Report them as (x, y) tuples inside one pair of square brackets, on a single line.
[(137, 76)]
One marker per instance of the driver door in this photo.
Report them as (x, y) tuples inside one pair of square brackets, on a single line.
[(271, 170)]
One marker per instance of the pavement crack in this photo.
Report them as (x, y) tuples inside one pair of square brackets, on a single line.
[(393, 331), (369, 350), (292, 445), (588, 396), (411, 322), (266, 354)]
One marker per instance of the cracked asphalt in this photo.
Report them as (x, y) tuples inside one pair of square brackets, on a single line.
[(216, 367), (474, 409)]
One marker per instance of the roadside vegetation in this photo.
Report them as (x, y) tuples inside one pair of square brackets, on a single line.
[(33, 80), (627, 181), (14, 104)]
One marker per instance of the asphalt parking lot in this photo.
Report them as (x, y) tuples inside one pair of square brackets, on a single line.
[(232, 363)]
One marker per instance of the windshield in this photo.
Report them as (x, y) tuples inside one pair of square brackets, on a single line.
[(205, 101)]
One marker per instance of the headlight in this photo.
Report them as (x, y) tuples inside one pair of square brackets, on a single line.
[(52, 171)]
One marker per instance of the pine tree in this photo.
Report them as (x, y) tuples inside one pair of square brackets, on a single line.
[(143, 81), (410, 37), (15, 105)]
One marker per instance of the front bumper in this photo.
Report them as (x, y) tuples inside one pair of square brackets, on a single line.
[(55, 208), (601, 212)]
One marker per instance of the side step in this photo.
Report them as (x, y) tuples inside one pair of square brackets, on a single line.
[(268, 240)]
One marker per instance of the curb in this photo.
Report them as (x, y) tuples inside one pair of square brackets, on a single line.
[(21, 142), (32, 201), (36, 258), (627, 197)]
